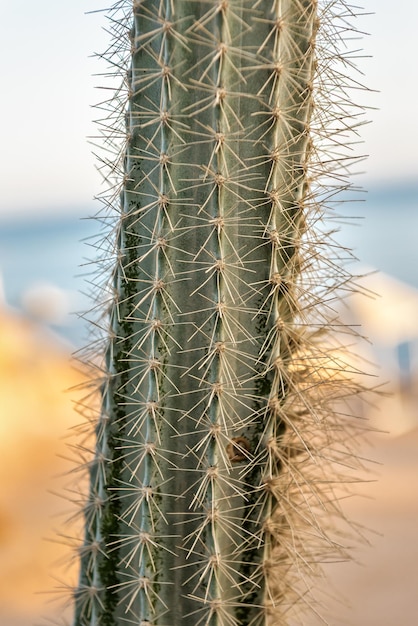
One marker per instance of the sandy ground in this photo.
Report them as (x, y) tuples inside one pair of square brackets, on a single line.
[(36, 414), (380, 588)]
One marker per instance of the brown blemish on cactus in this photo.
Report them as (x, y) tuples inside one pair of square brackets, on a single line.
[(238, 449)]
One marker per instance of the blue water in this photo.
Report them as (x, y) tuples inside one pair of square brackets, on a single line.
[(50, 249), (386, 235)]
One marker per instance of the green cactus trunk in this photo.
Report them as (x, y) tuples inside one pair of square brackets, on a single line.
[(200, 505)]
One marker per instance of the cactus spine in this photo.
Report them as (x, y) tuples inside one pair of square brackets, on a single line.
[(215, 432)]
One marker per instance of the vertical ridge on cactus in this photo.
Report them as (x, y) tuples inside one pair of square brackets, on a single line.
[(222, 427)]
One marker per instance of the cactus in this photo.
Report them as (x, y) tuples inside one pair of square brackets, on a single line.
[(218, 442)]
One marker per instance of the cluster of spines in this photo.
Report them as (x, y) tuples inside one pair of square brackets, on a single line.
[(252, 395)]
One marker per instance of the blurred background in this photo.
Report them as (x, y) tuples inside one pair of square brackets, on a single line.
[(48, 180)]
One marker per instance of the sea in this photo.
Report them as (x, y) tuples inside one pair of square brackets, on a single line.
[(49, 257)]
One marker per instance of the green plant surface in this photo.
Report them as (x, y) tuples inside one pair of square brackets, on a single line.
[(223, 427)]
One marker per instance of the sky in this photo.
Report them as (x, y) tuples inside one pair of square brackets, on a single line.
[(48, 87)]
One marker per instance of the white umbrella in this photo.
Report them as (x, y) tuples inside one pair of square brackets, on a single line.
[(388, 312)]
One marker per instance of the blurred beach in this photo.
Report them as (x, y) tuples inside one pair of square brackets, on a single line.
[(37, 413), (40, 262)]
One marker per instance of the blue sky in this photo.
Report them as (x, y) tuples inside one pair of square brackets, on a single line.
[(48, 90)]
